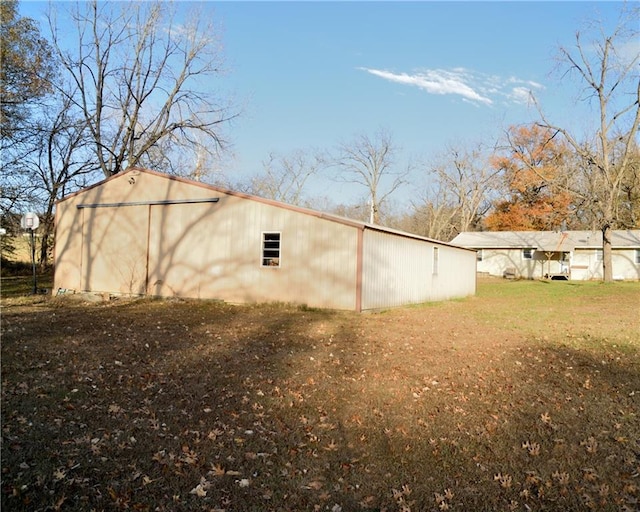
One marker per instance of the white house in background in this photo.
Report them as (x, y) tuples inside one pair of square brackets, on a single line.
[(145, 233), (575, 255)]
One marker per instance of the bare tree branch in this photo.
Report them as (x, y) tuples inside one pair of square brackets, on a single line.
[(613, 81), (141, 78), (458, 194), (285, 176), (369, 162)]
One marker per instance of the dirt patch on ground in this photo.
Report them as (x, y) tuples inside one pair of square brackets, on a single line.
[(520, 398)]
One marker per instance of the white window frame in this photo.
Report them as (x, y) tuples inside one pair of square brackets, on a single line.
[(599, 254), (637, 257), (527, 253), (270, 260)]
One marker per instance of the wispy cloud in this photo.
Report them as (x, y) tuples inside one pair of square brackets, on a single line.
[(630, 51), (471, 86)]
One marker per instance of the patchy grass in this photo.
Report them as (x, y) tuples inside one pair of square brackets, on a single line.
[(21, 285), (562, 308), (525, 397)]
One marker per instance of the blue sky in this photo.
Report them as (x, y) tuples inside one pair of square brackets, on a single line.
[(313, 74)]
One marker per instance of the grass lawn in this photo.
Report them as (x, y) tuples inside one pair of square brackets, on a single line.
[(22, 286), (525, 397)]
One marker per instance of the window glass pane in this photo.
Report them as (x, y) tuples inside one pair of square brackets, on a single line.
[(270, 249)]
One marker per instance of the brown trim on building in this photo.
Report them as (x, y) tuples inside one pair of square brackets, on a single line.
[(82, 258), (271, 202), (159, 202), (55, 247), (146, 274), (359, 257)]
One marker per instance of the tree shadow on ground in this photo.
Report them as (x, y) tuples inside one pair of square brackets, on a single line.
[(199, 405)]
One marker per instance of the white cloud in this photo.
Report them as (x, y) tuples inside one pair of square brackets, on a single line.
[(630, 52), (471, 86), (520, 95)]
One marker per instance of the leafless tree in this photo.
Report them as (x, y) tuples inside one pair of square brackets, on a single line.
[(609, 75), (369, 162), (141, 80), (286, 175), (59, 163), (55, 160), (458, 193)]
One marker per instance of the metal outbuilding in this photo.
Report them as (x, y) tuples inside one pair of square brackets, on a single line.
[(145, 233)]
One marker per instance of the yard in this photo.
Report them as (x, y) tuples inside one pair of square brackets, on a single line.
[(525, 397)]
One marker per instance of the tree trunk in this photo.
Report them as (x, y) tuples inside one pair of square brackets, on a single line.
[(374, 216), (607, 269), (46, 233)]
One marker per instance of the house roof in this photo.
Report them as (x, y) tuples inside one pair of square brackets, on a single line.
[(548, 241)]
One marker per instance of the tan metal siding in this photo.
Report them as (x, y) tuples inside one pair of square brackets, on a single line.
[(394, 271), (104, 249), (215, 251), (114, 250), (399, 270), (456, 274), (207, 250), (68, 247)]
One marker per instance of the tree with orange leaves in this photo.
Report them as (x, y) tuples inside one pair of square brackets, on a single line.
[(533, 170)]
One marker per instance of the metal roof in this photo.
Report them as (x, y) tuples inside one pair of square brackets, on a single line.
[(549, 241), (327, 216)]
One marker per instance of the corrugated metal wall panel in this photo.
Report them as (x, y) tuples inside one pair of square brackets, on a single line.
[(208, 250), (394, 270), (399, 270), (213, 250), (456, 275), (114, 250)]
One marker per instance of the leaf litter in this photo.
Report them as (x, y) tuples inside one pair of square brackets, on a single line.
[(274, 407)]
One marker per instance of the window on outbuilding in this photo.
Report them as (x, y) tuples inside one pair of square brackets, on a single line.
[(479, 255), (599, 255), (271, 249), (436, 251), (527, 254), (637, 256)]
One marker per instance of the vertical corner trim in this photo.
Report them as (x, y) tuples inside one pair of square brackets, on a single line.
[(146, 273), (359, 265)]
